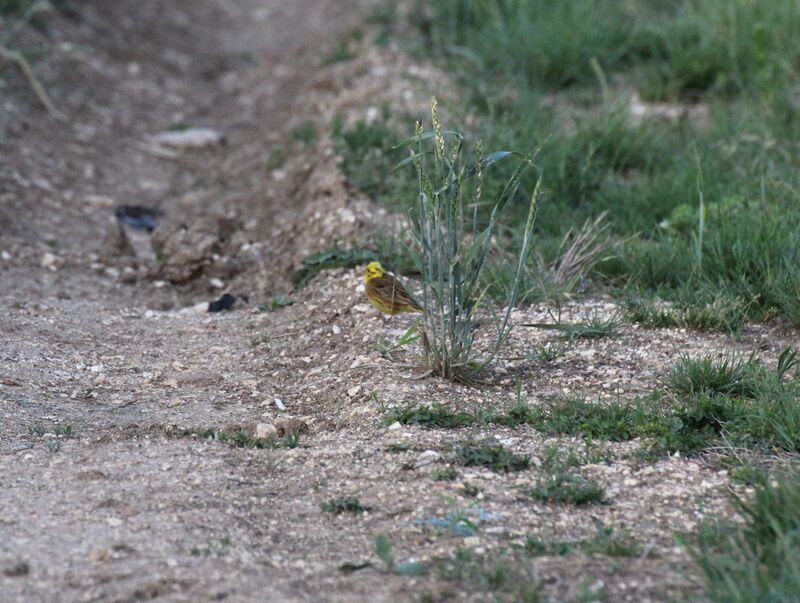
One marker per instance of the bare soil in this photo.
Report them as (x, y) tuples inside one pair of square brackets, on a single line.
[(108, 358)]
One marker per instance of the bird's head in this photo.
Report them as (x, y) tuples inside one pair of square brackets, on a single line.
[(374, 270)]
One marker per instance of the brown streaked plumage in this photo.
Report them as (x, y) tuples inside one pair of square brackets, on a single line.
[(386, 293)]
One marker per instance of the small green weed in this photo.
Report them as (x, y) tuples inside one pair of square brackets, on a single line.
[(433, 416), (306, 133), (237, 438), (558, 484), (384, 550), (749, 475), (276, 159), (723, 314), (276, 303), (470, 490), (548, 352), (615, 421), (64, 431), (212, 549), (444, 474), (346, 48), (492, 456), (607, 541), (505, 575), (410, 336), (594, 328), (337, 506)]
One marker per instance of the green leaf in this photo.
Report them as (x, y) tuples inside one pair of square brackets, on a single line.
[(383, 548)]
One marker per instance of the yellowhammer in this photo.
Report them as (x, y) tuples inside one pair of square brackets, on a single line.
[(386, 293)]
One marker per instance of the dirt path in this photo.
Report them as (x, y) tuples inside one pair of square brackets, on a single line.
[(115, 511)]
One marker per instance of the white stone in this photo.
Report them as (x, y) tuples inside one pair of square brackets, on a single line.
[(427, 457), (50, 261), (192, 138), (353, 391)]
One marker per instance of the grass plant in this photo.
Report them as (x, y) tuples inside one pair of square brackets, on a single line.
[(452, 248)]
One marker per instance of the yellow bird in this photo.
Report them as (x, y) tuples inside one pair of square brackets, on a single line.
[(386, 293)]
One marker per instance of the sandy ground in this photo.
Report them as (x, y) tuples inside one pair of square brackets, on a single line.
[(107, 362)]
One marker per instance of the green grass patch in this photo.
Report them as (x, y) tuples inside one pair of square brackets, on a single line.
[(368, 155), (444, 474), (491, 456), (559, 482), (433, 416), (9, 7), (759, 559), (506, 576), (306, 133), (595, 328), (723, 314), (346, 48), (239, 438), (704, 209), (608, 542), (614, 420), (346, 504)]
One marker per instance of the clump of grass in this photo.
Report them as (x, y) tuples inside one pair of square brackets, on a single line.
[(63, 431), (616, 421), (239, 438), (452, 250), (212, 548), (9, 7), (346, 48), (594, 328), (723, 314), (345, 504), (548, 352), (559, 484), (759, 559), (506, 576), (470, 490), (608, 541), (519, 414), (384, 550), (306, 133), (444, 474), (733, 375), (433, 416), (492, 456), (275, 159), (749, 475), (751, 405)]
